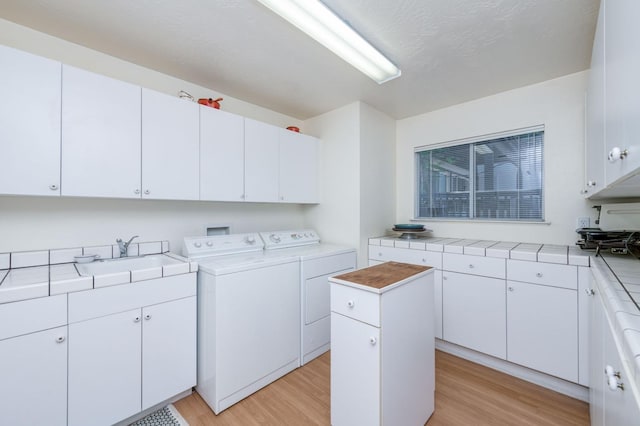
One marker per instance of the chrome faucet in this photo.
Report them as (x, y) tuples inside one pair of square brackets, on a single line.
[(124, 247)]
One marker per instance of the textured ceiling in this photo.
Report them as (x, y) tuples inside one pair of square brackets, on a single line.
[(450, 51)]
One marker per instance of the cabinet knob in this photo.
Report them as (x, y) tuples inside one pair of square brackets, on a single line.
[(444, 278), (539, 274), (351, 303), (424, 260), (60, 339), (590, 291), (617, 154), (591, 183), (147, 317), (379, 254), (137, 191), (510, 288), (147, 192), (136, 319), (53, 187), (242, 196), (613, 379), (373, 340), (471, 266)]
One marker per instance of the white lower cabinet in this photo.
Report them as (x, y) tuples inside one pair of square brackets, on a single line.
[(33, 379), (355, 372), (168, 350), (474, 312), (382, 353), (611, 398), (105, 369), (542, 324), (123, 363)]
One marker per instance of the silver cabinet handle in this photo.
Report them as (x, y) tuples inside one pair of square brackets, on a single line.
[(351, 303), (510, 288), (147, 317), (147, 192), (137, 319), (539, 275), (471, 266), (373, 340), (617, 154), (590, 291), (137, 191), (591, 183), (60, 339), (53, 187)]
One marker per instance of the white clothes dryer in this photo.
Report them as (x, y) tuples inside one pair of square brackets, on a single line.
[(248, 316), (318, 262)]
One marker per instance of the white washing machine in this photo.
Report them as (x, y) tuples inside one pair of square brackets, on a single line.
[(318, 262), (248, 316)]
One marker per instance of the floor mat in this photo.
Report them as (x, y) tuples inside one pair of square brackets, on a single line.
[(167, 416)]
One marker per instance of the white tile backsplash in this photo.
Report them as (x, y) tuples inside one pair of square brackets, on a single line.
[(149, 248), (104, 252), (24, 259), (64, 255), (5, 260)]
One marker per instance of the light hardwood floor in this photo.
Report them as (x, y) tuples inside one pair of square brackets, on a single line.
[(466, 394)]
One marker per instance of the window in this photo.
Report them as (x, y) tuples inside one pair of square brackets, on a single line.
[(497, 178)]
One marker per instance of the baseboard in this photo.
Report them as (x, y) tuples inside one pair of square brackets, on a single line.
[(564, 387)]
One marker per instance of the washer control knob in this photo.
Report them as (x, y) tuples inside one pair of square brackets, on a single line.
[(250, 239), (198, 244), (275, 238), (209, 243)]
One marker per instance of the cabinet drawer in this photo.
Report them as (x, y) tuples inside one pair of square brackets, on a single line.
[(416, 257), (543, 273), (84, 305), (475, 265), (28, 316), (354, 303)]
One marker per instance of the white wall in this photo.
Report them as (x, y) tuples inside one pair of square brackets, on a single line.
[(28, 223), (559, 105), (358, 184), (336, 218), (377, 175)]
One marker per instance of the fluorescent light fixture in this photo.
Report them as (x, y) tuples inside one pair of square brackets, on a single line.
[(315, 19)]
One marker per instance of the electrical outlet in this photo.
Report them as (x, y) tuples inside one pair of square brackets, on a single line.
[(583, 222)]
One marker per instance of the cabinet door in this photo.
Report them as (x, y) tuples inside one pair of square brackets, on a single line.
[(168, 350), (474, 313), (100, 136), (221, 155), (170, 147), (299, 156), (620, 406), (105, 369), (261, 161), (596, 360), (542, 328), (29, 123), (355, 372), (622, 65), (595, 143), (33, 388)]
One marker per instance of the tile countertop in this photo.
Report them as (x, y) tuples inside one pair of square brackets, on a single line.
[(29, 275), (622, 312), (549, 253)]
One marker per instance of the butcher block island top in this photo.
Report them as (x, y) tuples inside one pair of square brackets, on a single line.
[(383, 277)]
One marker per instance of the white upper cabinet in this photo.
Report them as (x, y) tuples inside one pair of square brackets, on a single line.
[(29, 124), (261, 161), (170, 147), (299, 155), (221, 155), (595, 153), (101, 127), (622, 65)]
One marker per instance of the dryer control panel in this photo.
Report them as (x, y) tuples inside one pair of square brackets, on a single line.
[(215, 245), (291, 238)]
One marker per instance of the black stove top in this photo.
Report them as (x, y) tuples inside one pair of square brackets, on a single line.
[(615, 242)]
